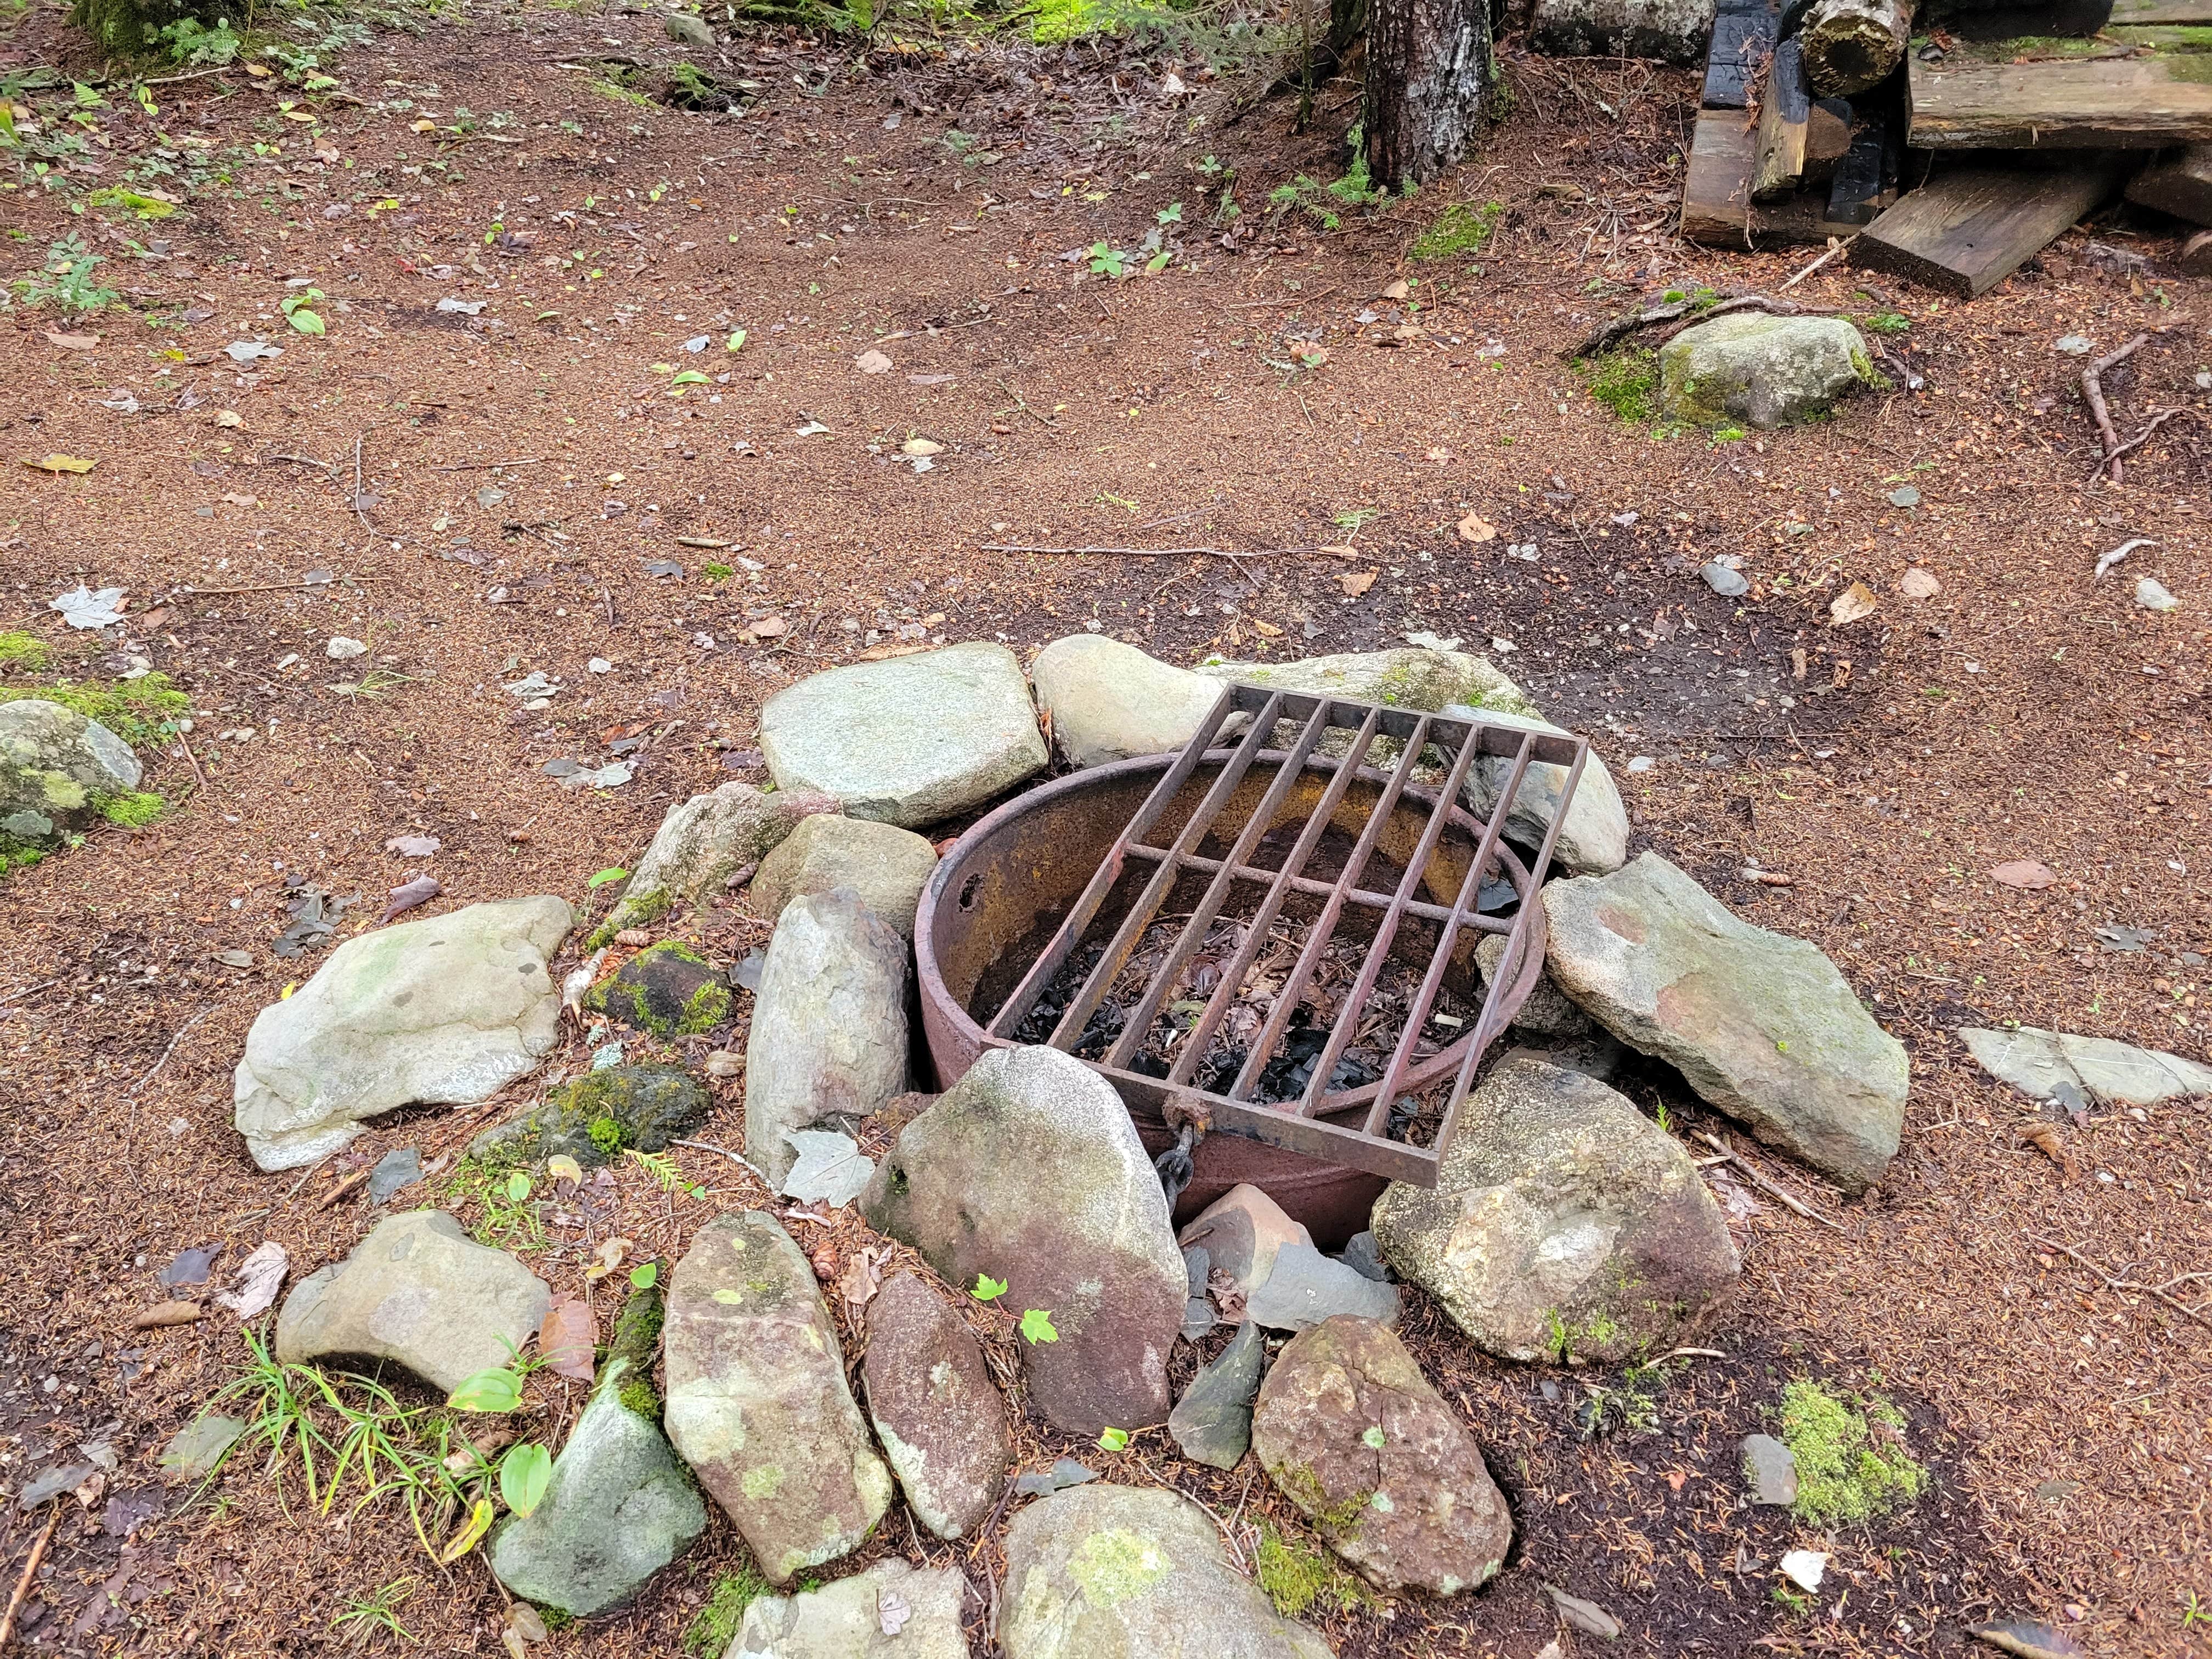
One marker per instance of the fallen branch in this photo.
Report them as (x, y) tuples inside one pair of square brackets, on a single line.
[(275, 587), (1834, 249), (1767, 1186), (2093, 392), (173, 1041), (2116, 1285), (2143, 436), (485, 467), (24, 1583)]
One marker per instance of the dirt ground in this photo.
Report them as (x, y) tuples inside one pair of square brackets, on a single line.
[(481, 493)]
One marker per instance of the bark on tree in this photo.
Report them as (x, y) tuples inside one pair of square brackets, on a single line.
[(1431, 79)]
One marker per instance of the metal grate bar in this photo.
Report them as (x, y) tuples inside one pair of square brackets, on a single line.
[(1516, 944), (1281, 884), (1324, 926), (1386, 935), (1417, 1016), (1363, 898), (1194, 931), (1085, 1003), (1070, 932)]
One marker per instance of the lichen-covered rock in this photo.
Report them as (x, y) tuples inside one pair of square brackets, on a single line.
[(891, 1610), (702, 844), (828, 1031), (1762, 1026), (418, 1293), (596, 1117), (1099, 1572), (58, 770), (1109, 700), (757, 1403), (1595, 837), (1564, 1225), (1673, 31), (886, 865), (910, 739), (619, 1508), (443, 1012), (1407, 676), (668, 989), (1029, 1169), (940, 1418), (1352, 1432), (1762, 371)]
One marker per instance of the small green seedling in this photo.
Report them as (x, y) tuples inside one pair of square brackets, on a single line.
[(988, 1288), (524, 1474), (1037, 1326), (604, 877), (1114, 1440)]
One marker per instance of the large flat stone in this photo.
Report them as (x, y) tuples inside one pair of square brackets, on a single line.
[(1407, 676), (1304, 1288), (829, 1029), (703, 843), (757, 1403), (1029, 1169), (2045, 1065), (1109, 700), (891, 1610), (886, 865), (909, 741), (1565, 1224), (1594, 839), (419, 1293), (1761, 1024), (1100, 1572), (1352, 1432), (940, 1418), (443, 1012)]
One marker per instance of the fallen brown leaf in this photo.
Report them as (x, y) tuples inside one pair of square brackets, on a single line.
[(1356, 582), (1853, 604), (2025, 873), (72, 341), (1476, 528), (168, 1313), (566, 1339), (2050, 1140)]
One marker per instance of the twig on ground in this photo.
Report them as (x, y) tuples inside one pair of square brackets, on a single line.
[(355, 501), (24, 1583), (323, 467), (1834, 248), (199, 778), (274, 587), (1230, 553), (2143, 436), (487, 466), (1768, 1186), (2113, 1284), (344, 1188), (2093, 392), (1682, 314), (170, 1049)]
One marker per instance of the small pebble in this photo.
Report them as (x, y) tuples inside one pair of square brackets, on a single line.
[(2152, 595), (1727, 583)]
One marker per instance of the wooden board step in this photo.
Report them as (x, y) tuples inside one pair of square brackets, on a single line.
[(1716, 205), (2181, 185), (1965, 232), (1742, 44), (2126, 103)]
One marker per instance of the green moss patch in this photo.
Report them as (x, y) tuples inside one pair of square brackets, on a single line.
[(137, 711), (24, 652), (1301, 1578), (135, 810), (1462, 229), (1851, 1462), (714, 1626), (1626, 381), (669, 990)]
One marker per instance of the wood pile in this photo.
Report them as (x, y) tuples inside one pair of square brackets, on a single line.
[(1954, 145)]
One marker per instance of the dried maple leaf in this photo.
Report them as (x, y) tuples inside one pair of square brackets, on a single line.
[(2050, 1140)]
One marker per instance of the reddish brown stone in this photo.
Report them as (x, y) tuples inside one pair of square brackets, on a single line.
[(942, 1422)]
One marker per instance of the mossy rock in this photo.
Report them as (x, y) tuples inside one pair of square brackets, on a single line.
[(597, 1117), (668, 989), (1761, 371), (58, 773)]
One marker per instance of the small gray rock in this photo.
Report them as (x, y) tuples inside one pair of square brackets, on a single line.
[(704, 844), (2153, 595), (1306, 1288), (667, 989), (1593, 841), (57, 771), (197, 1451), (394, 1172), (1770, 1469), (1197, 1318), (51, 1483), (829, 1028), (1212, 1421), (2051, 1065), (886, 865), (1197, 1262), (1064, 1473), (1725, 580), (685, 30), (1762, 371), (909, 741), (420, 1292), (892, 1610), (1365, 1257), (648, 1106)]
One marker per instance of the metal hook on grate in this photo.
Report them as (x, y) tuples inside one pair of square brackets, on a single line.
[(1176, 1166)]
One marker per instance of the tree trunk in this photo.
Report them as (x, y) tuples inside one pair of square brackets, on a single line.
[(1430, 79)]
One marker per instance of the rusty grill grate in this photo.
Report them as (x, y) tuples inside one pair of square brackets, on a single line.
[(1350, 1126)]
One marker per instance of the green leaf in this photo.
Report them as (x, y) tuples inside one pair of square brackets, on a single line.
[(523, 1474), (689, 377), (604, 877), (304, 320), (1158, 261), (518, 1187), (1110, 1440), (498, 1389), (1037, 1327), (644, 1277), (466, 1539), (736, 340), (988, 1288)]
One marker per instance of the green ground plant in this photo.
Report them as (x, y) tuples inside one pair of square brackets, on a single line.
[(1301, 1578), (714, 1626), (1325, 203), (1461, 230), (1626, 381)]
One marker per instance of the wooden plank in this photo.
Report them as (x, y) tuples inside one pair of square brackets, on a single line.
[(1743, 41), (2135, 103), (1965, 232), (2181, 185), (1716, 185), (1784, 114), (2153, 13), (1866, 179)]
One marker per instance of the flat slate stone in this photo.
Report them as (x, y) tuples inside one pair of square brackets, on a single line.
[(909, 741), (1306, 1287), (1760, 1025), (1212, 1421), (892, 1610), (2043, 1065), (1121, 1572), (420, 1292), (1240, 1233), (1770, 1469)]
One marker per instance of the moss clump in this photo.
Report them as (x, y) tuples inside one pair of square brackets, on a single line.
[(135, 710), (1461, 228), (24, 652), (606, 1134), (1299, 1576), (714, 1626), (1851, 1462), (1625, 382), (135, 810), (632, 910), (668, 990)]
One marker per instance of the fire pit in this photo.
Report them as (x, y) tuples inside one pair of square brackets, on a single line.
[(1269, 949)]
